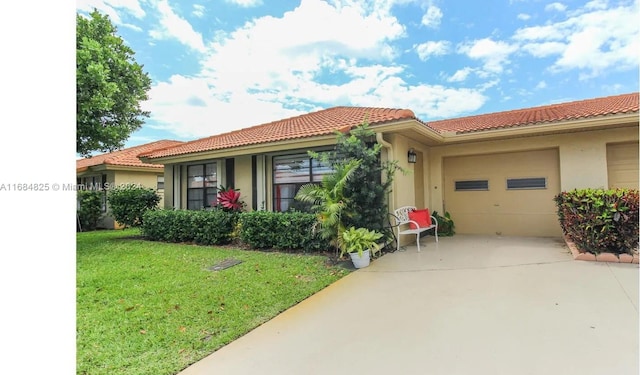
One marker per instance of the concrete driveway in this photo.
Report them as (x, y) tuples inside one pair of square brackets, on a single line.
[(467, 305)]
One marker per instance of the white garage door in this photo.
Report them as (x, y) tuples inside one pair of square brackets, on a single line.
[(622, 165), (507, 194)]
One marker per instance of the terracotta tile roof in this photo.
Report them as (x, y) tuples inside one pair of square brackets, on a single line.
[(126, 157), (537, 115), (312, 124)]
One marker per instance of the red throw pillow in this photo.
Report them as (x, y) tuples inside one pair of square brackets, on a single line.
[(421, 217)]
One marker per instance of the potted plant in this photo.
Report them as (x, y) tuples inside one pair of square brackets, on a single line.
[(358, 243)]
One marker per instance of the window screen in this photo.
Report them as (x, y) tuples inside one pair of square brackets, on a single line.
[(471, 185), (526, 183)]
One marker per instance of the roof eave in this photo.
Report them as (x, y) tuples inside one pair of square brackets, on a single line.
[(257, 148)]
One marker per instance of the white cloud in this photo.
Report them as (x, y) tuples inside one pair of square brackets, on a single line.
[(432, 17), (263, 71), (460, 75), (113, 9), (493, 54), (432, 48), (198, 10), (592, 39), (245, 3), (544, 49), (172, 26), (186, 106), (541, 85), (555, 7), (523, 16)]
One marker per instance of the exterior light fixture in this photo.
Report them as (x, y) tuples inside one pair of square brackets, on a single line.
[(412, 156)]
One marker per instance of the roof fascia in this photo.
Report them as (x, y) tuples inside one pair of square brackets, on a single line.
[(622, 120), (111, 167), (410, 124)]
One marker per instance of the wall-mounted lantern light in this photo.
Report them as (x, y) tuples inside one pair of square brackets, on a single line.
[(412, 156)]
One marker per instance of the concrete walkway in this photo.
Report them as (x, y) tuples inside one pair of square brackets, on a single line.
[(467, 305)]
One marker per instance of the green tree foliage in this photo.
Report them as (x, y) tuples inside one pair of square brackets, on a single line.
[(109, 87), (368, 190), (129, 203)]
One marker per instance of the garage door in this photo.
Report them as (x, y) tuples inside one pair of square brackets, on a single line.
[(622, 165), (507, 194)]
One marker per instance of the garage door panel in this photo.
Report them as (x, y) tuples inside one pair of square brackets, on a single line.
[(527, 212)]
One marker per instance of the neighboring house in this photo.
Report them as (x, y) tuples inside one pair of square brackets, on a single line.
[(495, 173), (118, 168)]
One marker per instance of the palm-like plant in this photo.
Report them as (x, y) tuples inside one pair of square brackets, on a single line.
[(328, 201)]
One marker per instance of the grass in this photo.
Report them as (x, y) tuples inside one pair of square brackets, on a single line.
[(154, 308)]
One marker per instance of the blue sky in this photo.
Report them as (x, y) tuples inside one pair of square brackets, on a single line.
[(222, 65)]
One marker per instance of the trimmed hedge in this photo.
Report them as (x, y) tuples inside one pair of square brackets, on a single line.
[(280, 230), (257, 229), (214, 227), (599, 220)]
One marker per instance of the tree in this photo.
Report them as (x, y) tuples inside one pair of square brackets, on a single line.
[(368, 190), (109, 87)]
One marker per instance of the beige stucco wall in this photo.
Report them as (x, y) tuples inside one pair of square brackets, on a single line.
[(406, 190), (243, 180)]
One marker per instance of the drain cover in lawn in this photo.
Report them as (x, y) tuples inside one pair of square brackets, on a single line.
[(224, 264)]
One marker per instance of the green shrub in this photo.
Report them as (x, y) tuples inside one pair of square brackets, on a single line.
[(257, 229), (598, 220), (206, 227), (213, 227), (280, 230), (446, 226), (90, 208), (128, 204)]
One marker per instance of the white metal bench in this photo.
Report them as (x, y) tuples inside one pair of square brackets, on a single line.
[(402, 219)]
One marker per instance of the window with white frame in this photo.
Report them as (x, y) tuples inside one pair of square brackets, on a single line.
[(202, 186), (290, 172)]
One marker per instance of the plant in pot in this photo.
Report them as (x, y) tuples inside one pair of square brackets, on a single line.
[(358, 243)]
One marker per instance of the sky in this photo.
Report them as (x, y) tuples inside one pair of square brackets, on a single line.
[(222, 65)]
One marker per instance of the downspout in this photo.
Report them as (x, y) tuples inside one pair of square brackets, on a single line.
[(390, 202)]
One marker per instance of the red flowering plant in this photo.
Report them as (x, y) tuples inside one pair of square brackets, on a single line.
[(229, 200)]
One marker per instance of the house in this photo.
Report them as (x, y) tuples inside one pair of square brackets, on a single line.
[(120, 168), (495, 173)]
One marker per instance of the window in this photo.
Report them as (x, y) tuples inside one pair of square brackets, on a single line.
[(290, 172), (472, 185), (202, 186), (526, 183), (160, 182)]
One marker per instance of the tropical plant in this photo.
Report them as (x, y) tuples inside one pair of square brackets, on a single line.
[(367, 191), (229, 199), (446, 226), (328, 201), (357, 240)]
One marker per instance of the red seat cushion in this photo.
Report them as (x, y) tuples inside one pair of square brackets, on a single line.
[(422, 217)]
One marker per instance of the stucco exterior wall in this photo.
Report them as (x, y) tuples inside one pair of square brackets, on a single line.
[(583, 162), (407, 190), (243, 179)]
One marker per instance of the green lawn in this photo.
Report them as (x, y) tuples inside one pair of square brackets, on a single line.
[(154, 308)]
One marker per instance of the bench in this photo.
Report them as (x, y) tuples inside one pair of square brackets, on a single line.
[(401, 216)]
